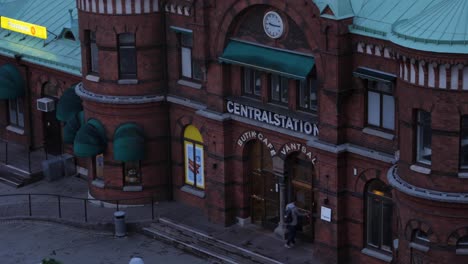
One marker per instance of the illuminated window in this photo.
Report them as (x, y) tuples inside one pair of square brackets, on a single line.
[(127, 56), (194, 158), (379, 216), (16, 112), (132, 172)]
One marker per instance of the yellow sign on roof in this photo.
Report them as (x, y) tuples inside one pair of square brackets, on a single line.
[(23, 27)]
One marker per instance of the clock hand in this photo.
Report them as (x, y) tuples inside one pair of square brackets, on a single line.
[(273, 25)]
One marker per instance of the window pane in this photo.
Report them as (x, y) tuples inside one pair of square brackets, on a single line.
[(464, 143), (12, 107), (20, 112), (94, 52), (284, 90), (373, 108), (387, 227), (388, 117), (373, 221), (258, 83), (126, 39), (424, 137), (313, 94), (248, 81), (187, 62), (304, 94), (275, 88), (186, 40)]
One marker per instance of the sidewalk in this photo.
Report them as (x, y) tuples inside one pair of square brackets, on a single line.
[(250, 237)]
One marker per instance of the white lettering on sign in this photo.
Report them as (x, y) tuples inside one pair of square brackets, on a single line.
[(293, 147), (271, 118), (256, 135)]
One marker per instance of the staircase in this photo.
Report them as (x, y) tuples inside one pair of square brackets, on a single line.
[(215, 250), (16, 178)]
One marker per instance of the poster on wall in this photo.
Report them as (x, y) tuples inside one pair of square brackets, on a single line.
[(194, 165)]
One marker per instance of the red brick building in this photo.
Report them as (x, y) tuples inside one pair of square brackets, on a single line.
[(239, 107)]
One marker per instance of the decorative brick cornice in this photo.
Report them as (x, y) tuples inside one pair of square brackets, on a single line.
[(114, 99), (428, 194)]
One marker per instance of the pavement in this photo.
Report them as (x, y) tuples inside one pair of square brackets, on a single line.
[(97, 218)]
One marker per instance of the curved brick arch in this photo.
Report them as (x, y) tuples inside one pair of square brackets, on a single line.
[(415, 224), (456, 235), (231, 14), (364, 177)]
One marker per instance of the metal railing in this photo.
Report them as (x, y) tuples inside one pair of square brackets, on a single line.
[(84, 210)]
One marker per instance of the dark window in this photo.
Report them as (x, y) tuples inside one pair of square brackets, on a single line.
[(379, 216), (380, 105), (420, 237), (16, 112), (463, 242), (252, 82), (308, 95), (93, 53), (424, 137), (279, 89), (464, 143), (127, 56)]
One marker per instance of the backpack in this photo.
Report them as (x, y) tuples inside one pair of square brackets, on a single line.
[(288, 217)]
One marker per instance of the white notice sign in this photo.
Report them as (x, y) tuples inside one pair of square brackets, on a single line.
[(325, 214)]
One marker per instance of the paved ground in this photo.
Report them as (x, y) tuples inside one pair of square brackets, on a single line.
[(251, 237), (30, 242)]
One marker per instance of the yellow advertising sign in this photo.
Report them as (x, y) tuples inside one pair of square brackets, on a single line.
[(23, 27)]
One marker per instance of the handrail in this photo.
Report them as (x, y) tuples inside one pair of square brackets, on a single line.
[(60, 203)]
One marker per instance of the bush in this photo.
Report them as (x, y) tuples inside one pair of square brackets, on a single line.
[(50, 261)]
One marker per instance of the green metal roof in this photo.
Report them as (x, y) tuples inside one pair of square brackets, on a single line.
[(429, 25), (341, 8), (60, 54)]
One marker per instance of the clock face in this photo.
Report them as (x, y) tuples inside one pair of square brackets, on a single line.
[(273, 25)]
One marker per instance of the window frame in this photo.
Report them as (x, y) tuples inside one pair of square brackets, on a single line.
[(463, 143), (93, 53), (420, 137), (309, 83), (376, 198), (283, 89), (372, 86), (130, 165), (254, 76), (15, 112), (186, 44), (127, 48)]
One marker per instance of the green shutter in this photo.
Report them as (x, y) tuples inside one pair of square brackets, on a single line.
[(90, 140), (11, 82), (68, 105)]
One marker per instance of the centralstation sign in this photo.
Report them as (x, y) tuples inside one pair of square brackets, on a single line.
[(23, 27), (272, 118)]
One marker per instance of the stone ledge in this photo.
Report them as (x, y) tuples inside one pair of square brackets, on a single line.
[(378, 133), (193, 191), (377, 254)]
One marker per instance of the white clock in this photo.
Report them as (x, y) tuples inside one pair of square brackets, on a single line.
[(273, 24)]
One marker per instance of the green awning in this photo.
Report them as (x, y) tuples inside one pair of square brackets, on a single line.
[(68, 105), (288, 64), (374, 75), (129, 143), (72, 126), (11, 82), (90, 140)]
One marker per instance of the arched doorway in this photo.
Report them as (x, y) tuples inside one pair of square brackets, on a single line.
[(264, 195), (300, 173)]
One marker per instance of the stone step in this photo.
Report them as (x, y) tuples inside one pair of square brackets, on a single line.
[(17, 178), (201, 244)]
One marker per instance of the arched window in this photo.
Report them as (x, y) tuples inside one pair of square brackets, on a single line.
[(194, 158), (379, 216), (462, 245)]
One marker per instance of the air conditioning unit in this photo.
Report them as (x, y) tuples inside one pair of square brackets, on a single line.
[(45, 104)]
